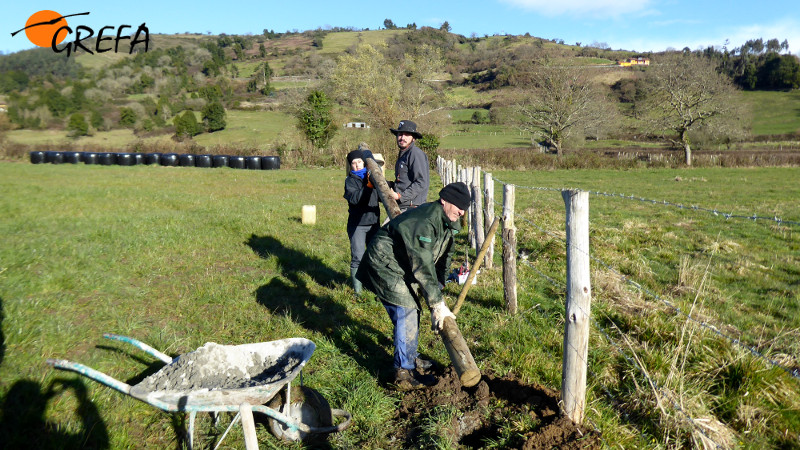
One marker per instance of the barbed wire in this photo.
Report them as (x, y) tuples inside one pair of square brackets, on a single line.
[(795, 373), (621, 351), (715, 212)]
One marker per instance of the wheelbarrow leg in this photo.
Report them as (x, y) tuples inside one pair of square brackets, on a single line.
[(192, 416), (248, 426)]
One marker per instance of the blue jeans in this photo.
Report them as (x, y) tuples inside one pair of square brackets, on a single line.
[(406, 335)]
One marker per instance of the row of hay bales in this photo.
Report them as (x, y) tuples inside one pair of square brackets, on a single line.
[(157, 159)]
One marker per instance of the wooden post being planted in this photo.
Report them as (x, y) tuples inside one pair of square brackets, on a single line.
[(454, 342), (509, 250), (579, 296)]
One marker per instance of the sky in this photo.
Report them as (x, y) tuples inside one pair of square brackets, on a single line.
[(636, 25)]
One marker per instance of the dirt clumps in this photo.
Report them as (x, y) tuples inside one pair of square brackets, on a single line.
[(487, 411)]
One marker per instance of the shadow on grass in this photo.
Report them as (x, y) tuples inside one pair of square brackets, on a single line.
[(24, 424), (322, 314)]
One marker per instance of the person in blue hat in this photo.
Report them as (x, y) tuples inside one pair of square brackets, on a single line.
[(412, 171)]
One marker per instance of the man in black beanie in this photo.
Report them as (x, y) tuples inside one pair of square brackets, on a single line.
[(407, 261)]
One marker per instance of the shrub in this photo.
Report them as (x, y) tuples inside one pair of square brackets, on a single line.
[(77, 126), (214, 117)]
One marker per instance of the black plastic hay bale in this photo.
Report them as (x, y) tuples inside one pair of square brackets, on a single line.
[(91, 158), (271, 162), (126, 159), (202, 161), (236, 162), (186, 160), (152, 159), (37, 157), (73, 157), (253, 162), (220, 161), (139, 158), (54, 157), (169, 159), (107, 159)]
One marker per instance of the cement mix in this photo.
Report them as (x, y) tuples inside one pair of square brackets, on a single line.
[(217, 367)]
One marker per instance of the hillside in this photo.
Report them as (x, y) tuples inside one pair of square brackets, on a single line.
[(473, 91)]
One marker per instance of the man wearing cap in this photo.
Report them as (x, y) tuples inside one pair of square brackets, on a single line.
[(409, 260), (412, 174)]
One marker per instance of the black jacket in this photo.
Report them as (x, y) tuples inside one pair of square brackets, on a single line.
[(362, 201)]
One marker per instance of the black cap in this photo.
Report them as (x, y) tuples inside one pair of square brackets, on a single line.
[(456, 193), (407, 126), (355, 154)]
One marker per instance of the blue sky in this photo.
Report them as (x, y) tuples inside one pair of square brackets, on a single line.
[(639, 25)]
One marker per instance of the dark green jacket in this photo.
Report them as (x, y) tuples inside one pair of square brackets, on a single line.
[(410, 256)]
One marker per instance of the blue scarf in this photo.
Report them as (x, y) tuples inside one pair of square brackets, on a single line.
[(359, 173)]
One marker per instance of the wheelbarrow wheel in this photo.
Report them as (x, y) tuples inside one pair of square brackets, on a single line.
[(308, 407)]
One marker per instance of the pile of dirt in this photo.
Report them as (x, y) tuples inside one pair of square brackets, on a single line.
[(484, 408)]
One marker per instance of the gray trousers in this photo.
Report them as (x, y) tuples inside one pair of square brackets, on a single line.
[(360, 236)]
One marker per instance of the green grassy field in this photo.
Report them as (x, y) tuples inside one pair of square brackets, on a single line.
[(177, 257), (773, 112)]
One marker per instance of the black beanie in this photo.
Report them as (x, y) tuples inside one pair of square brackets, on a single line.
[(456, 193), (355, 154)]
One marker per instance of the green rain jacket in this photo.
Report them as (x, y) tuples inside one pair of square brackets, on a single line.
[(410, 256)]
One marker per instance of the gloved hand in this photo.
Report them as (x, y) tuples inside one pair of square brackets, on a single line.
[(439, 312), (369, 181)]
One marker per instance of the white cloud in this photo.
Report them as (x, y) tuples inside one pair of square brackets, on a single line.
[(594, 8), (788, 29)]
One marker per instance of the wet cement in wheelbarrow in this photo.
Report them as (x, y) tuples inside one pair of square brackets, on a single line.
[(483, 410), (216, 367)]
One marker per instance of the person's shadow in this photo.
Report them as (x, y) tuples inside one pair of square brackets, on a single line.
[(2, 337), (24, 424), (322, 314)]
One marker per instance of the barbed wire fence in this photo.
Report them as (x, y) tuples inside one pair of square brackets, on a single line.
[(699, 426)]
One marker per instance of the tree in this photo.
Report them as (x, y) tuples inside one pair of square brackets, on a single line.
[(445, 26), (560, 104), (127, 117), (213, 116), (315, 120), (685, 93), (186, 125), (260, 81), (388, 91), (389, 25), (77, 125)]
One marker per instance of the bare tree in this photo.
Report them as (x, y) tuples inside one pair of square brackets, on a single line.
[(390, 91), (685, 93), (562, 103)]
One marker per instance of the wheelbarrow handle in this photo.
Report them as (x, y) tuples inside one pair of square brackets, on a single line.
[(140, 345), (88, 372)]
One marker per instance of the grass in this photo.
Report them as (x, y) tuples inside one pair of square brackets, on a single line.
[(773, 112), (177, 257), (336, 43)]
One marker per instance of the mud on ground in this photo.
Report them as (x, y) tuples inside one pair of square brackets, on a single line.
[(483, 410)]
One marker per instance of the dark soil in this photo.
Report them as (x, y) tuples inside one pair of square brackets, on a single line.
[(488, 408)]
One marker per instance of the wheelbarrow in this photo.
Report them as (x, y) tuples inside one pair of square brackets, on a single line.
[(231, 378)]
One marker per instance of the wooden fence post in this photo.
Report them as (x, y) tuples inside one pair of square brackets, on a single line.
[(579, 296), (509, 250), (488, 186), (477, 207)]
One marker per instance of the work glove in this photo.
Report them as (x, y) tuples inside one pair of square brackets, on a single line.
[(369, 181), (439, 312)]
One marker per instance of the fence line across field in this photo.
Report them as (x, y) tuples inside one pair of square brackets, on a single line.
[(483, 208)]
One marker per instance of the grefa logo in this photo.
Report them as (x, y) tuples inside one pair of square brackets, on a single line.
[(48, 28)]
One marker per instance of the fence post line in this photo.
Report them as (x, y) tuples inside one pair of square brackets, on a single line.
[(477, 207), (488, 186), (578, 304), (509, 250)]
